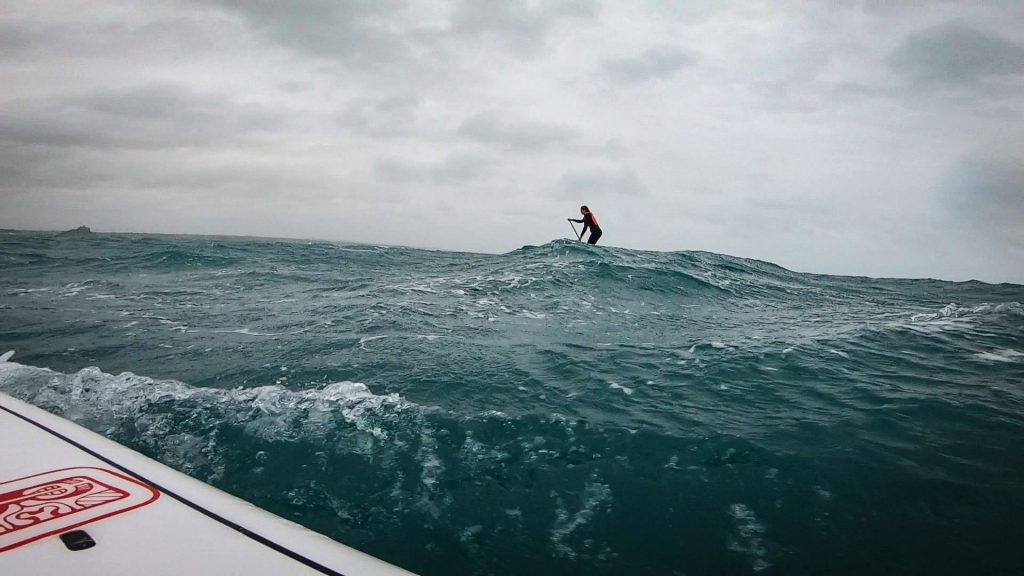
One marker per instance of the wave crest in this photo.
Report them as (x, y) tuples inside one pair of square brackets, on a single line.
[(179, 424)]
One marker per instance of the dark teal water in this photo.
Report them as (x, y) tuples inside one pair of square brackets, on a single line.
[(561, 409)]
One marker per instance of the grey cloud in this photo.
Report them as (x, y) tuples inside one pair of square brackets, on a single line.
[(495, 129), (150, 117), (653, 63), (521, 26), (895, 7), (370, 35), (180, 35), (155, 137), (988, 194), (388, 117), (34, 168), (17, 38), (454, 169), (104, 174), (350, 31), (143, 34), (955, 54), (602, 181), (846, 91)]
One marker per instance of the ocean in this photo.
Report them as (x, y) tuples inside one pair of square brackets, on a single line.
[(559, 409)]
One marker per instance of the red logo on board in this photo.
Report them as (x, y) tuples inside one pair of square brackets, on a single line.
[(53, 502)]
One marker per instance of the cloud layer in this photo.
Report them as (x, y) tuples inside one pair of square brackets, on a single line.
[(852, 137)]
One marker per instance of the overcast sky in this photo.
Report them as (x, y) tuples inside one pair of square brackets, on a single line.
[(875, 137)]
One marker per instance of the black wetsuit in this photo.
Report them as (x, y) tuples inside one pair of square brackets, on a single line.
[(595, 230)]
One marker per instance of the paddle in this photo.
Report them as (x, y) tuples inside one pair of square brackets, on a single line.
[(574, 228)]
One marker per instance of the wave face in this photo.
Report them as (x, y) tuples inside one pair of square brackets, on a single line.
[(560, 409)]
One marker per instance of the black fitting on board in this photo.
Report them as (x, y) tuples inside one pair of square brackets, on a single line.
[(77, 540)]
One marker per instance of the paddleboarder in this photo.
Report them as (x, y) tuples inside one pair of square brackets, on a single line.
[(589, 221)]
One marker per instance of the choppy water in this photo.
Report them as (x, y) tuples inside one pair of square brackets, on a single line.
[(561, 409)]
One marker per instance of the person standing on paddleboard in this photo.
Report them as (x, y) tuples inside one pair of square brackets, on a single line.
[(589, 221)]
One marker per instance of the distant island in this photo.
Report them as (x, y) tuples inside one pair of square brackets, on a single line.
[(80, 231)]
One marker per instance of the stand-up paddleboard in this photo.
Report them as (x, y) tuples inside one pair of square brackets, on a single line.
[(73, 502)]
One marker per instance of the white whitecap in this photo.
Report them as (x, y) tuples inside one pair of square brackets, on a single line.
[(1005, 355), (748, 537), (625, 390), (595, 494)]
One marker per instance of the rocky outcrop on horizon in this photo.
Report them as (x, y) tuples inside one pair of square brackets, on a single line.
[(80, 231)]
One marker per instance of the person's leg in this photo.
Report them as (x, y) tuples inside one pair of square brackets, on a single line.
[(594, 237)]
